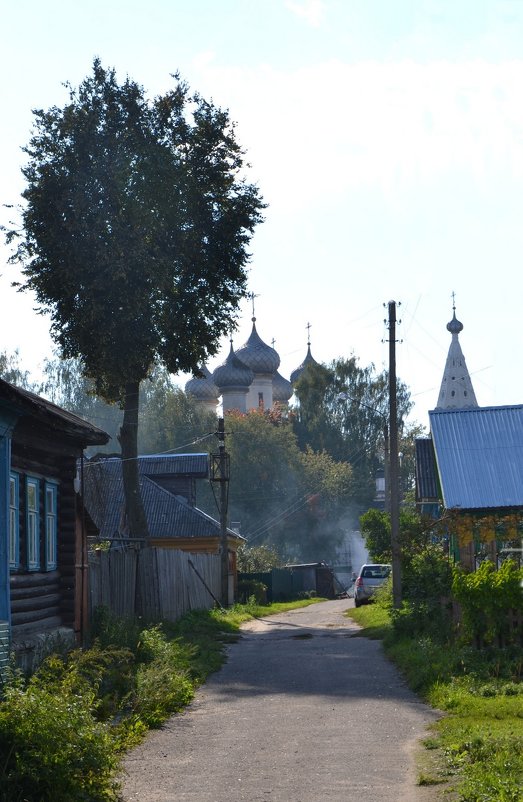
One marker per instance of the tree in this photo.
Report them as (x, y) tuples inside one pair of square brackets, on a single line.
[(12, 372), (415, 534), (343, 408), (290, 500), (134, 237)]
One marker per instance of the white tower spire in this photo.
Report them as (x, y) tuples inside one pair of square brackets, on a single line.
[(456, 390)]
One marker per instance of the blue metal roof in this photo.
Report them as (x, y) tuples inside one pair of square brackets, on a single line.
[(479, 454)]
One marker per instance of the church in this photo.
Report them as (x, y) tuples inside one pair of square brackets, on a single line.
[(248, 379), (471, 466)]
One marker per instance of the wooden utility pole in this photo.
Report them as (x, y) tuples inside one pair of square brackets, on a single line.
[(222, 476), (394, 462)]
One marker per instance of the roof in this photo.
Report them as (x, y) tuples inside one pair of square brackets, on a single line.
[(479, 454), (24, 403), (427, 486), (168, 515)]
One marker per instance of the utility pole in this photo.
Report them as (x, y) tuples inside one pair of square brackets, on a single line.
[(394, 462), (220, 472)]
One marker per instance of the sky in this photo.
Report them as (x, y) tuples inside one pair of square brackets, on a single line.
[(385, 137)]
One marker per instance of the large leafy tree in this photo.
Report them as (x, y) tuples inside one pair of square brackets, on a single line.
[(291, 500), (343, 408), (134, 237)]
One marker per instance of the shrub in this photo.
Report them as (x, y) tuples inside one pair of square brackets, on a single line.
[(486, 596), (252, 587), (426, 582), (52, 747)]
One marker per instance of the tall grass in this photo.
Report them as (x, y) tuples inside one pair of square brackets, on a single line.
[(477, 746)]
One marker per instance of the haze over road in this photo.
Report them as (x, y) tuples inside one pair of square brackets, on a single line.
[(303, 711)]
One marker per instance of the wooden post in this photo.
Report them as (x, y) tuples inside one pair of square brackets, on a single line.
[(394, 462)]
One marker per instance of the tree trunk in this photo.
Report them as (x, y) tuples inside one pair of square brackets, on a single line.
[(128, 438)]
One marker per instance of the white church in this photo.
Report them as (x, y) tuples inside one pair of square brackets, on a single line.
[(248, 379)]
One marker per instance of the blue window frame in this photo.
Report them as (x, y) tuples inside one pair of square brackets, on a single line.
[(32, 497), (14, 521), (51, 526)]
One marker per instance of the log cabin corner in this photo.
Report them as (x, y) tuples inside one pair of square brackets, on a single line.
[(43, 556)]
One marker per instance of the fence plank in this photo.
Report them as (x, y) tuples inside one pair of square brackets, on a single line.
[(155, 583)]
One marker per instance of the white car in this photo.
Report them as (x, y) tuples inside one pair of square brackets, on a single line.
[(369, 579)]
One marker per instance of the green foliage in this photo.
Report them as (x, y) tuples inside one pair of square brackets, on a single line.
[(252, 589), (256, 559), (343, 410), (163, 684), (426, 588), (375, 528), (139, 208), (486, 596), (286, 499), (414, 534), (51, 745), (477, 747)]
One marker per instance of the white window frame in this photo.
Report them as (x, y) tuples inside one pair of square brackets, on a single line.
[(51, 526), (32, 516), (14, 521)]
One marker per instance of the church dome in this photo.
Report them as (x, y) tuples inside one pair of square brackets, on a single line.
[(309, 360), (202, 387), (233, 373), (455, 326), (281, 389), (259, 356)]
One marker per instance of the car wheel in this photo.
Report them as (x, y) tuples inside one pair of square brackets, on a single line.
[(357, 603)]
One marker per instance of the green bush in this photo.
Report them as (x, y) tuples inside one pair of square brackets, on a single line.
[(426, 583), (486, 596), (163, 685), (252, 587), (52, 747)]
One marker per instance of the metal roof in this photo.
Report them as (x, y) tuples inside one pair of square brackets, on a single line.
[(427, 486), (479, 454), (195, 465), (168, 515)]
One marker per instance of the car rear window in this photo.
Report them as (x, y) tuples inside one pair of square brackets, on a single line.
[(376, 572)]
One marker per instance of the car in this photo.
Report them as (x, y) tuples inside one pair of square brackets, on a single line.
[(370, 578)]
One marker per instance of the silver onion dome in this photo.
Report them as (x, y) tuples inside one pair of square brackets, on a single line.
[(233, 373), (259, 356), (201, 386)]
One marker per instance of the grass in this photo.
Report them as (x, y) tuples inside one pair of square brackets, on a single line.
[(63, 730), (476, 749)]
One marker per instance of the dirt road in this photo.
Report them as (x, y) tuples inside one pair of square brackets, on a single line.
[(302, 711)]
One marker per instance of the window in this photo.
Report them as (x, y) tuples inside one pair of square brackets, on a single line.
[(33, 523), (51, 526), (14, 521)]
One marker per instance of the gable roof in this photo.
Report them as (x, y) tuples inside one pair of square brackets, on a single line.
[(23, 403), (479, 454), (168, 515)]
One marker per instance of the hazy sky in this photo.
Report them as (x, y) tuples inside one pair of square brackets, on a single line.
[(385, 135)]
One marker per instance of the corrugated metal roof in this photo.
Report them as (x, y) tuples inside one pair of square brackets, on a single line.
[(168, 516), (479, 454), (427, 486), (196, 465)]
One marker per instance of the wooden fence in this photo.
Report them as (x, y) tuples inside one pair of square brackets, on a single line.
[(156, 584)]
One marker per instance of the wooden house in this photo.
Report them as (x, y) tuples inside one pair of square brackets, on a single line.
[(42, 549), (470, 473), (168, 489)]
